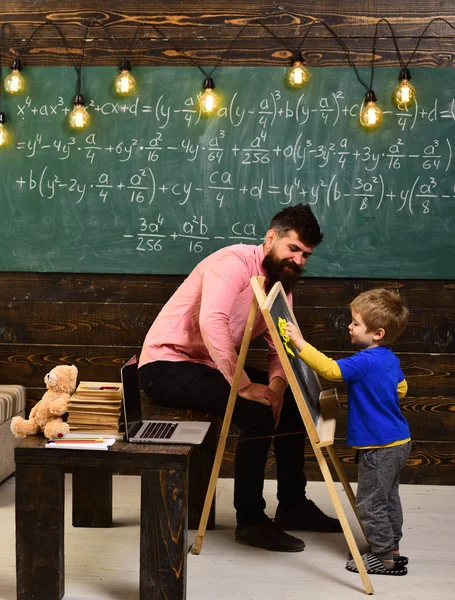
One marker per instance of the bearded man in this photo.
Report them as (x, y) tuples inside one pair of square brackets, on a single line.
[(188, 361)]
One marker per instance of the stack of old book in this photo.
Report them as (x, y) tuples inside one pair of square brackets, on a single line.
[(96, 406)]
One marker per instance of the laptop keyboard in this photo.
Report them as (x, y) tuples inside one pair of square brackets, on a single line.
[(133, 429), (159, 430)]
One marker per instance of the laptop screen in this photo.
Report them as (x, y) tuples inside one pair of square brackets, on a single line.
[(131, 397)]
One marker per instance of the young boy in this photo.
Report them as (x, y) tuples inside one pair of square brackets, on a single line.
[(376, 427)]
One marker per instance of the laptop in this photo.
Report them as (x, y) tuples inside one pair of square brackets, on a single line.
[(153, 432)]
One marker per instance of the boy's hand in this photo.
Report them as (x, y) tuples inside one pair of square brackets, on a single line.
[(294, 334)]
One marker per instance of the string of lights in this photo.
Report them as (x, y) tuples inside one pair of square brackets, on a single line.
[(298, 75), (125, 84), (404, 94), (15, 83), (79, 117), (208, 100)]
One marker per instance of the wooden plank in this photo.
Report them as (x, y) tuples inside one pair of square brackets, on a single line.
[(28, 365), (428, 375), (87, 287), (112, 41), (336, 293), (429, 418), (206, 30), (408, 17), (264, 55), (105, 323), (77, 323), (429, 329), (316, 292), (259, 51), (430, 463)]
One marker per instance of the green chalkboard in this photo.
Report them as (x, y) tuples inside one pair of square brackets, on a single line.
[(152, 188)]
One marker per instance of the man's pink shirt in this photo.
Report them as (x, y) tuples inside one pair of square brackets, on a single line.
[(204, 321)]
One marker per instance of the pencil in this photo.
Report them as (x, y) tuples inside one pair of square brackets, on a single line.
[(70, 441)]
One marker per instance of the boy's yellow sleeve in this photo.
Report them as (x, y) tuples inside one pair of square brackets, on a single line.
[(322, 364), (402, 388)]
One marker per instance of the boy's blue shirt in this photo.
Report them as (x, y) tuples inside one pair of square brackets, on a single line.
[(374, 416)]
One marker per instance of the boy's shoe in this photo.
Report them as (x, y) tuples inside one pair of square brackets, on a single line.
[(306, 516), (397, 558), (267, 535), (375, 566)]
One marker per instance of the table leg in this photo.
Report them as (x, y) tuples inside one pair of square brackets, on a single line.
[(40, 502), (92, 497), (164, 530)]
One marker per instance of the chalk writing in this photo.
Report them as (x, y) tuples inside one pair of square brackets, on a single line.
[(154, 177)]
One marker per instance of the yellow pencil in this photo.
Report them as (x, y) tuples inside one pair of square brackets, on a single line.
[(71, 441)]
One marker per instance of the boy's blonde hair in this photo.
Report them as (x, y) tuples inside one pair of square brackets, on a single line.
[(381, 308)]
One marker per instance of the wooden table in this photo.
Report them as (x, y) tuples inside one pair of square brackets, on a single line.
[(40, 474)]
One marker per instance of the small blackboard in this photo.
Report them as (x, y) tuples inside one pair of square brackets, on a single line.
[(278, 306)]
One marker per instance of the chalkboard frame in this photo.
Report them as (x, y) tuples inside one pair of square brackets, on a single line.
[(304, 382)]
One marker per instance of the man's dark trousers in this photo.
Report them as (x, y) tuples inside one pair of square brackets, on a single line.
[(198, 387)]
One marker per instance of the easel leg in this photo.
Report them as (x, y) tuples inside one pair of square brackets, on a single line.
[(343, 520), (344, 480), (196, 548)]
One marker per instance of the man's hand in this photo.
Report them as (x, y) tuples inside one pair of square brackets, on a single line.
[(258, 393), (278, 386), (270, 395)]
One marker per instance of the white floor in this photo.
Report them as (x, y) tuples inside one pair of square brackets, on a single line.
[(103, 564)]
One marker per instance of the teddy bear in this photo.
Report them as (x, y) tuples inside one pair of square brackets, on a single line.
[(46, 415)]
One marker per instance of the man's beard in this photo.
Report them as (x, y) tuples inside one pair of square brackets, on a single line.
[(276, 271)]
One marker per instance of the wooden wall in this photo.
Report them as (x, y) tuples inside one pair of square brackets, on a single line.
[(98, 321)]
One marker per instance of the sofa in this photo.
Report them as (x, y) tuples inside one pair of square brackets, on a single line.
[(12, 403)]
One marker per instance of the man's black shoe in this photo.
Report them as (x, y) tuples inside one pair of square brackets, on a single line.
[(266, 534), (306, 516)]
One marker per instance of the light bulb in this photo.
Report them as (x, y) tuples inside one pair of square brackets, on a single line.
[(14, 82), (370, 114), (208, 101), (125, 84), (79, 118), (298, 75), (404, 94), (4, 135)]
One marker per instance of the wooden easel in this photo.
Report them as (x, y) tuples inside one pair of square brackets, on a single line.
[(320, 435)]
